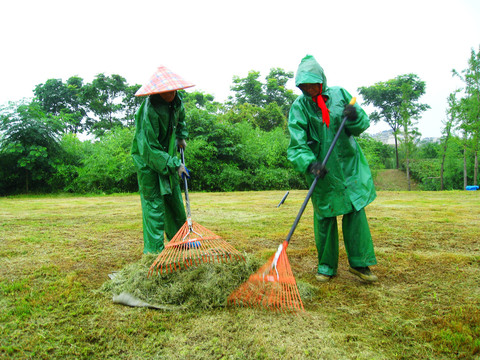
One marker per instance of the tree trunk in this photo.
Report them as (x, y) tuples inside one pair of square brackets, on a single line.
[(441, 171), (475, 174), (407, 162), (408, 171), (396, 149), (465, 167), (442, 186), (26, 180)]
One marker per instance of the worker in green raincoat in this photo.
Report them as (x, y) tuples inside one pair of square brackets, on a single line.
[(160, 129), (347, 187)]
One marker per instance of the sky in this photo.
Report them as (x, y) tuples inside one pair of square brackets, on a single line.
[(358, 43)]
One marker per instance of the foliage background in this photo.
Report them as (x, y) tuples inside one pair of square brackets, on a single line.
[(76, 137)]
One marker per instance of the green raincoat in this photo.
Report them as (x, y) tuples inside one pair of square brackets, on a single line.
[(158, 125), (348, 186)]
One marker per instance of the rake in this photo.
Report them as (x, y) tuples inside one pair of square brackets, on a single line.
[(273, 286), (192, 245)]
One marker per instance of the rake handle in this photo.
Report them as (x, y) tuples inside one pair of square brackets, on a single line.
[(185, 183), (314, 183)]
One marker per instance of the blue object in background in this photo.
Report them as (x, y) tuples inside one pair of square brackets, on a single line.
[(471, 187)]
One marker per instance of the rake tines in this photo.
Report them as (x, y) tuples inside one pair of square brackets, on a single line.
[(273, 286), (192, 245)]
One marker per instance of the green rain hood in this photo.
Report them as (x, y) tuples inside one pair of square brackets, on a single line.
[(348, 184)]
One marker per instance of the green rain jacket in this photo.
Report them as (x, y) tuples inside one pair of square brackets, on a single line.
[(153, 147), (348, 181)]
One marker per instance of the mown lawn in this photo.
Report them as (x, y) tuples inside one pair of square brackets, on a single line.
[(56, 253)]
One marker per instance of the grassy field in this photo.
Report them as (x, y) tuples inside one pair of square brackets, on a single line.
[(57, 252)]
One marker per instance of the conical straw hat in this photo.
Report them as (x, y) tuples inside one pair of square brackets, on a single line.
[(163, 80)]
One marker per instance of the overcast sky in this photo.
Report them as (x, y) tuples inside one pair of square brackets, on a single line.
[(358, 43)]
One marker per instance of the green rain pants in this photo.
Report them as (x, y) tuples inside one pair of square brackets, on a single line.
[(357, 238), (162, 214)]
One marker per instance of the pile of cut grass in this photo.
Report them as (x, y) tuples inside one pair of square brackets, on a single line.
[(202, 287), (206, 286)]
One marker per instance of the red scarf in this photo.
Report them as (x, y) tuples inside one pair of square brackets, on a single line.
[(320, 101)]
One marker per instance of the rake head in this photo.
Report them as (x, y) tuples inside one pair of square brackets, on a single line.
[(192, 245), (273, 286)]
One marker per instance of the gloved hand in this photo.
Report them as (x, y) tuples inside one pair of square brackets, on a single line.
[(183, 171), (317, 169), (181, 143), (350, 112)]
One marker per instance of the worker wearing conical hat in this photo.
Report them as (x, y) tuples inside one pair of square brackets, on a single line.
[(160, 129), (347, 187)]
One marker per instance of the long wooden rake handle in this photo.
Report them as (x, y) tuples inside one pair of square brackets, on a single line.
[(314, 183)]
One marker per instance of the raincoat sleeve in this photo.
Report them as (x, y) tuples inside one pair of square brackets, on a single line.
[(362, 123), (299, 152)]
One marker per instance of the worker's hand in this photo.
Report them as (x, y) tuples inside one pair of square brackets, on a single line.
[(181, 143), (317, 169), (183, 171), (350, 112)]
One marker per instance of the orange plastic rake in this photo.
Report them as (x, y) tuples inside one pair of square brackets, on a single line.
[(273, 286), (192, 245)]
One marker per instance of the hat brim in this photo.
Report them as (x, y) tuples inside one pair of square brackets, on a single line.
[(163, 80), (143, 92)]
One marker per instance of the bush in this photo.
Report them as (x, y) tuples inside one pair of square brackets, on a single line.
[(378, 155), (108, 166), (427, 172), (9, 178), (271, 178)]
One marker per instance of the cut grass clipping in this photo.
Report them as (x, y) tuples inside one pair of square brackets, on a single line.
[(206, 286)]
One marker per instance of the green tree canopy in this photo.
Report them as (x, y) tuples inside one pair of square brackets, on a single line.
[(30, 140), (276, 90), (396, 100), (200, 100), (104, 98), (63, 100), (250, 90)]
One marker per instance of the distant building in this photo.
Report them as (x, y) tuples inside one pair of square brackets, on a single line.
[(386, 137)]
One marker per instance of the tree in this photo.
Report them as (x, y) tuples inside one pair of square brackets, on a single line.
[(266, 118), (394, 108), (104, 98), (470, 109), (30, 140), (251, 90), (447, 132), (263, 105), (248, 90), (64, 101), (199, 100), (52, 96), (276, 91), (130, 104), (410, 132)]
